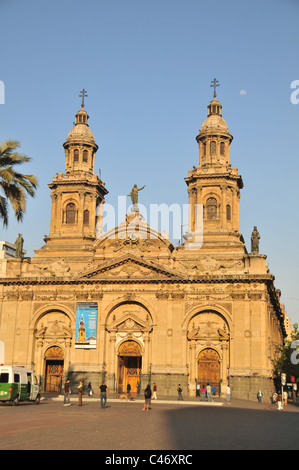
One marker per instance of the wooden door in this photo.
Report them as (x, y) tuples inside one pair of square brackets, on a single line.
[(132, 372), (54, 373), (209, 368), (54, 367), (129, 366)]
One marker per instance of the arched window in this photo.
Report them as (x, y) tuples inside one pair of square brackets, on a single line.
[(86, 217), (222, 148), (228, 212), (76, 155), (213, 148), (85, 155), (70, 213), (211, 208)]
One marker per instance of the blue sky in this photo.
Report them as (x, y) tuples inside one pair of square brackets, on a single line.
[(147, 68)]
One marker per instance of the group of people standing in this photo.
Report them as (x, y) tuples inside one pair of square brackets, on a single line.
[(103, 393), (281, 399), (206, 392)]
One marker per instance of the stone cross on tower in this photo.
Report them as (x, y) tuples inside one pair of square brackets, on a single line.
[(83, 94), (214, 83)]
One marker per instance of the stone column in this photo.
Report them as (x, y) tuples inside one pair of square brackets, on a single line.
[(39, 357), (223, 207), (111, 365), (67, 358), (192, 369), (224, 369), (146, 358)]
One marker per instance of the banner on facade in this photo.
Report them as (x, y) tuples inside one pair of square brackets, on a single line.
[(86, 325)]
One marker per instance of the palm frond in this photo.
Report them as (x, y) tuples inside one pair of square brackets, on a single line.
[(14, 185), (4, 211)]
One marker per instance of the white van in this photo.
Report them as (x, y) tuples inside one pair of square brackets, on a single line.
[(18, 384)]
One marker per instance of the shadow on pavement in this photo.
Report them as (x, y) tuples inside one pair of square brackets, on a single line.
[(201, 428)]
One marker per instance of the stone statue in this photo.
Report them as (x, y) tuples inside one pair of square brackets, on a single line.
[(255, 237), (134, 197), (19, 246)]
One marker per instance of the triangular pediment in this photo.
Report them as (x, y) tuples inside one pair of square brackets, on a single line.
[(207, 331), (129, 267), (129, 323)]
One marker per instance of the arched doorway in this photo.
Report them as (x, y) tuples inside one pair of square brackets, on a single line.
[(129, 366), (54, 366), (209, 368)]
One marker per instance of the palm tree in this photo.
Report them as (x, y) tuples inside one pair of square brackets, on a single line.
[(13, 185)]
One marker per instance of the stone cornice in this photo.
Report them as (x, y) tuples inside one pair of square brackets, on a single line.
[(204, 279), (215, 176)]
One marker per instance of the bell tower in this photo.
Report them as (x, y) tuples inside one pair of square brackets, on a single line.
[(77, 194), (214, 186)]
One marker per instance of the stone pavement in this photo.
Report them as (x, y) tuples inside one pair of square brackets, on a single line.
[(171, 400), (170, 426)]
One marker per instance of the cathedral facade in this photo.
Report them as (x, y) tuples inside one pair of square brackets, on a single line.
[(127, 306)]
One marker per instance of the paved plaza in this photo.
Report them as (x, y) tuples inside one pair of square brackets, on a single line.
[(169, 425)]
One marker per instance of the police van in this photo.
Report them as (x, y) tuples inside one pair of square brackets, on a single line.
[(18, 384)]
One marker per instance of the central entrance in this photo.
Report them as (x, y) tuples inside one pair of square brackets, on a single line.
[(209, 368), (129, 366)]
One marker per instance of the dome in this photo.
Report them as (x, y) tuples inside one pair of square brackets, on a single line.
[(81, 129), (214, 122)]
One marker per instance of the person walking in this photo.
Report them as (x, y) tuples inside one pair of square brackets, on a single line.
[(80, 393), (154, 392), (259, 396), (279, 402), (209, 392), (67, 392), (285, 398), (103, 392), (180, 392), (89, 388), (228, 393), (214, 391), (147, 398), (203, 393), (197, 390)]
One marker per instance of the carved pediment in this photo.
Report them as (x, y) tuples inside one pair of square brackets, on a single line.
[(212, 265), (129, 323), (133, 235), (54, 329), (128, 267), (208, 331), (57, 268)]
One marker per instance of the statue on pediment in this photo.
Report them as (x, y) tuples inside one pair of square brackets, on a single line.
[(255, 241), (19, 246), (134, 197)]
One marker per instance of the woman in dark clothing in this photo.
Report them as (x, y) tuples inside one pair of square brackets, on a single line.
[(147, 396)]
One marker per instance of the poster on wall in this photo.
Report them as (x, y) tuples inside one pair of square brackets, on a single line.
[(86, 325)]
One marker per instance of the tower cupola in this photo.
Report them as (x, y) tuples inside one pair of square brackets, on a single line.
[(214, 186), (78, 194), (80, 145), (214, 138)]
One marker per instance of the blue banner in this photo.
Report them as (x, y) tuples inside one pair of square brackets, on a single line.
[(86, 325)]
